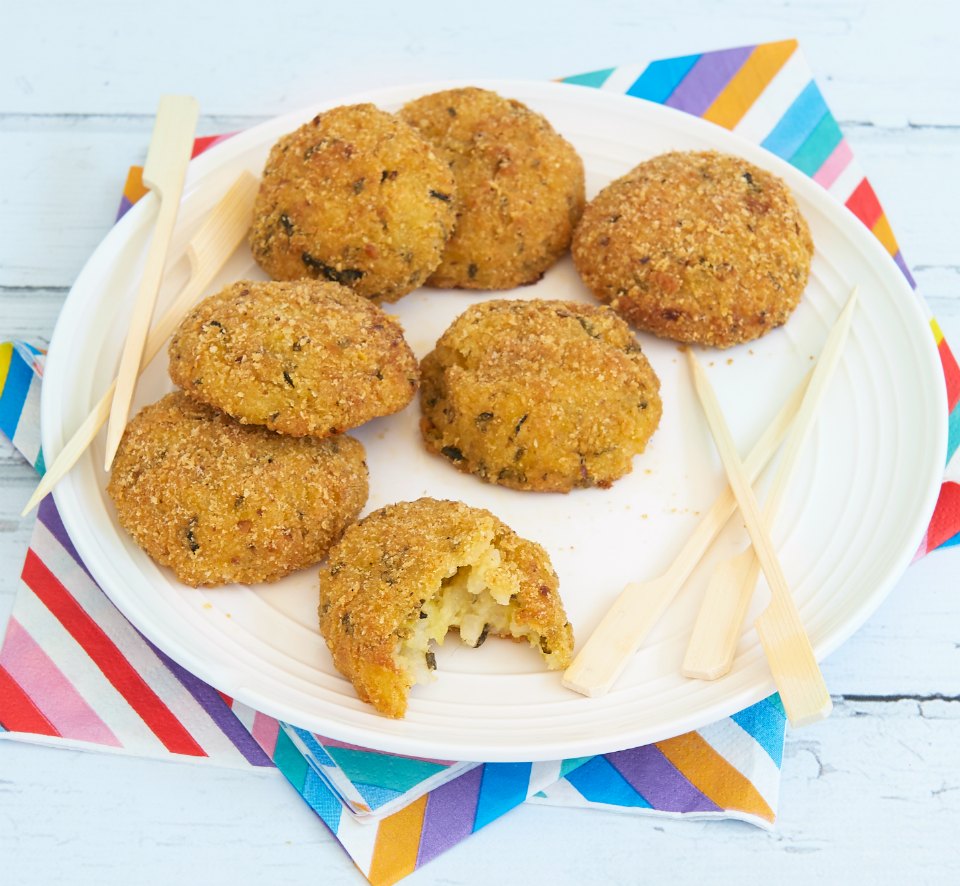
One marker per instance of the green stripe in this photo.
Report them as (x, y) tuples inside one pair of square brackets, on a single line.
[(383, 770), (596, 79), (290, 761), (818, 146)]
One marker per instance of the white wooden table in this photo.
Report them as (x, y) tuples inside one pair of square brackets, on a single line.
[(872, 793)]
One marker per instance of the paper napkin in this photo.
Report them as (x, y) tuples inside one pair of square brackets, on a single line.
[(74, 672)]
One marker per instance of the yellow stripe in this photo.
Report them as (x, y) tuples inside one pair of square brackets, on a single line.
[(397, 844), (6, 355), (937, 331), (749, 82), (134, 188), (713, 776), (884, 233)]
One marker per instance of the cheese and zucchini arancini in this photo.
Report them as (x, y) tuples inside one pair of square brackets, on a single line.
[(404, 575), (539, 395), (301, 357), (355, 196), (520, 187), (221, 502), (699, 247)]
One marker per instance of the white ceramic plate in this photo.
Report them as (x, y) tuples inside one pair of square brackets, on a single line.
[(862, 495)]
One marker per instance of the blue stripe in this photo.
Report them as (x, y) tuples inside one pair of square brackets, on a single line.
[(322, 800), (375, 796), (14, 394), (796, 125), (766, 724), (319, 754), (657, 82), (503, 786), (950, 542), (599, 782)]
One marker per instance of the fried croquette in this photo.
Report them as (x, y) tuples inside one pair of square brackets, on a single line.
[(301, 357), (355, 196), (221, 502), (699, 247), (539, 395), (520, 187), (404, 575)]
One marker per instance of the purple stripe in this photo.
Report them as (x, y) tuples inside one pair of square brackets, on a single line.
[(124, 208), (219, 711), (898, 258), (658, 781), (49, 516), (207, 697), (448, 818), (706, 80)]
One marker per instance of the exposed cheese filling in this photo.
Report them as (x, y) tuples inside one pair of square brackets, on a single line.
[(477, 599)]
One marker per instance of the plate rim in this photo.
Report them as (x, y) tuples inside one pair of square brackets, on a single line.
[(65, 495)]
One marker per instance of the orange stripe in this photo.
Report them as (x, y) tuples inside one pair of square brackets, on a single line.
[(397, 844), (134, 188), (746, 85), (711, 774), (884, 233)]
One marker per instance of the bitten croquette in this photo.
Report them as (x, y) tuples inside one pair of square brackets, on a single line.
[(301, 357), (221, 502), (520, 187), (355, 196), (539, 395), (405, 574), (699, 247)]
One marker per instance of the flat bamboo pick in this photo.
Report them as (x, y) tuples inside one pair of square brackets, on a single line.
[(717, 629), (164, 173), (214, 242), (785, 642), (641, 604)]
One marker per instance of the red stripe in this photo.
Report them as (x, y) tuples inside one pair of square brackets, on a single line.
[(945, 523), (863, 203), (205, 141), (952, 374), (108, 658), (20, 714), (226, 698)]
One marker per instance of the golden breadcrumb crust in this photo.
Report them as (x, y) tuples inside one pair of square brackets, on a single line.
[(539, 395), (699, 247), (390, 568), (302, 357), (355, 196), (222, 502), (520, 187)]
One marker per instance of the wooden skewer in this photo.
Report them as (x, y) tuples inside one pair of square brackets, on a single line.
[(164, 173), (214, 242), (785, 642), (638, 608), (717, 629)]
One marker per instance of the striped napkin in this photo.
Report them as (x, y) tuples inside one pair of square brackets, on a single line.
[(73, 672)]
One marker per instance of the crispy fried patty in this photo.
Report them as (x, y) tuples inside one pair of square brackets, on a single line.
[(357, 197), (699, 247), (405, 574), (303, 357), (539, 395), (520, 187), (222, 502)]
